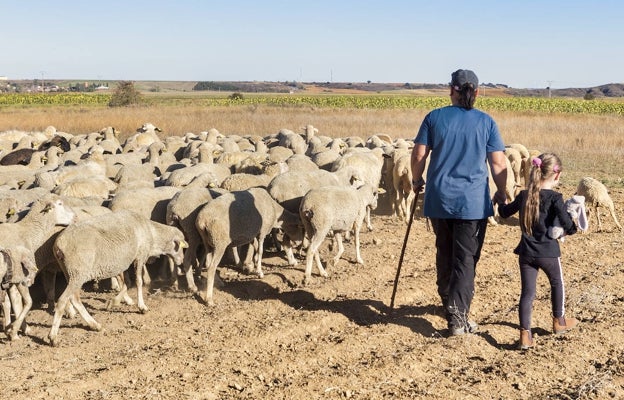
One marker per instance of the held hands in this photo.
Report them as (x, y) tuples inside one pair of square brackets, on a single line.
[(500, 198)]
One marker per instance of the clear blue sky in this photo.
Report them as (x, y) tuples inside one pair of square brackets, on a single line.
[(525, 44)]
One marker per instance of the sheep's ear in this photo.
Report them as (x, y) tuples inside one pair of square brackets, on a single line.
[(183, 244), (381, 190), (47, 208)]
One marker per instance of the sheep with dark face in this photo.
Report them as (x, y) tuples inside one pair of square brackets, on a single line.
[(104, 247)]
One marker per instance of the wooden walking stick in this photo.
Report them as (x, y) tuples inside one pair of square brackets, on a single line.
[(398, 272)]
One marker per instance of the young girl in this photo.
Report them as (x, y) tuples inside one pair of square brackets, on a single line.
[(538, 205)]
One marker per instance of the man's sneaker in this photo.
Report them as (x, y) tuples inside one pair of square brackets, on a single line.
[(526, 340), (470, 327), (563, 324)]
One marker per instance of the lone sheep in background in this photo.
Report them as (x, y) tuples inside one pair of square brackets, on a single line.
[(596, 195)]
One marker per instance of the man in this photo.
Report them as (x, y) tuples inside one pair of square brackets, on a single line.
[(461, 141)]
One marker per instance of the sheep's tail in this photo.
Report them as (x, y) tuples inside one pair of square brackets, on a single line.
[(58, 253)]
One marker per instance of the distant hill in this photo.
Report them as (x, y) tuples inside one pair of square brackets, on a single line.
[(497, 89), (609, 90)]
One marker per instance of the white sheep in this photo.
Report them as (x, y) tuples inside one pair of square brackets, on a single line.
[(369, 166), (17, 272), (597, 195), (33, 232), (279, 153), (146, 135), (525, 168), (243, 181), (184, 176), (338, 210), (104, 247), (325, 156), (182, 212), (236, 219), (149, 202), (93, 186), (516, 162), (291, 140), (402, 183), (110, 140), (289, 188)]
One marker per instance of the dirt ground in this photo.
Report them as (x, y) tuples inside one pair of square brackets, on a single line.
[(274, 338)]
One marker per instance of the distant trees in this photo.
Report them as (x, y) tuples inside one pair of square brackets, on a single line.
[(236, 96), (126, 94)]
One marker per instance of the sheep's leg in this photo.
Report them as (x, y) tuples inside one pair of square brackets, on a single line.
[(259, 248), (190, 258), (48, 279), (598, 218), (617, 223), (340, 251), (16, 300), (217, 254), (313, 246), (17, 303), (247, 265), (358, 256), (319, 266), (70, 294), (77, 303), (368, 219), (139, 266), (145, 276), (287, 245), (114, 283), (237, 260), (20, 320), (58, 314), (398, 206), (122, 295), (6, 310)]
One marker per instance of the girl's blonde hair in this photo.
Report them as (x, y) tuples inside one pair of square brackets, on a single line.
[(543, 167)]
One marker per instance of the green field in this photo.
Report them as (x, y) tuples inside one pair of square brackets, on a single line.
[(518, 104)]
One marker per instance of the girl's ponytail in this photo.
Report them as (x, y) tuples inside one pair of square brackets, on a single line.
[(542, 167)]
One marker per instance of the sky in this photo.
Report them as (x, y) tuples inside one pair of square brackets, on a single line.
[(523, 44)]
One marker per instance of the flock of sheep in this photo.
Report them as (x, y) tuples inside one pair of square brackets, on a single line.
[(90, 206)]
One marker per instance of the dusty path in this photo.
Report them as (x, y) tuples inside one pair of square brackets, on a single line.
[(334, 339)]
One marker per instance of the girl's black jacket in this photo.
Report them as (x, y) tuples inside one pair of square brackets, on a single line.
[(551, 206)]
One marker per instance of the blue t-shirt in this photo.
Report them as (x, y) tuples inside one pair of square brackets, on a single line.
[(457, 176)]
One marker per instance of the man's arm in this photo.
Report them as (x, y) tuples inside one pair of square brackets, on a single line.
[(420, 152), (498, 168)]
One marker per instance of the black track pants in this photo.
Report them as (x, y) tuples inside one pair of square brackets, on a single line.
[(458, 244)]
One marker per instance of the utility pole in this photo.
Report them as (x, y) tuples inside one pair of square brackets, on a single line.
[(549, 86), (42, 82)]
